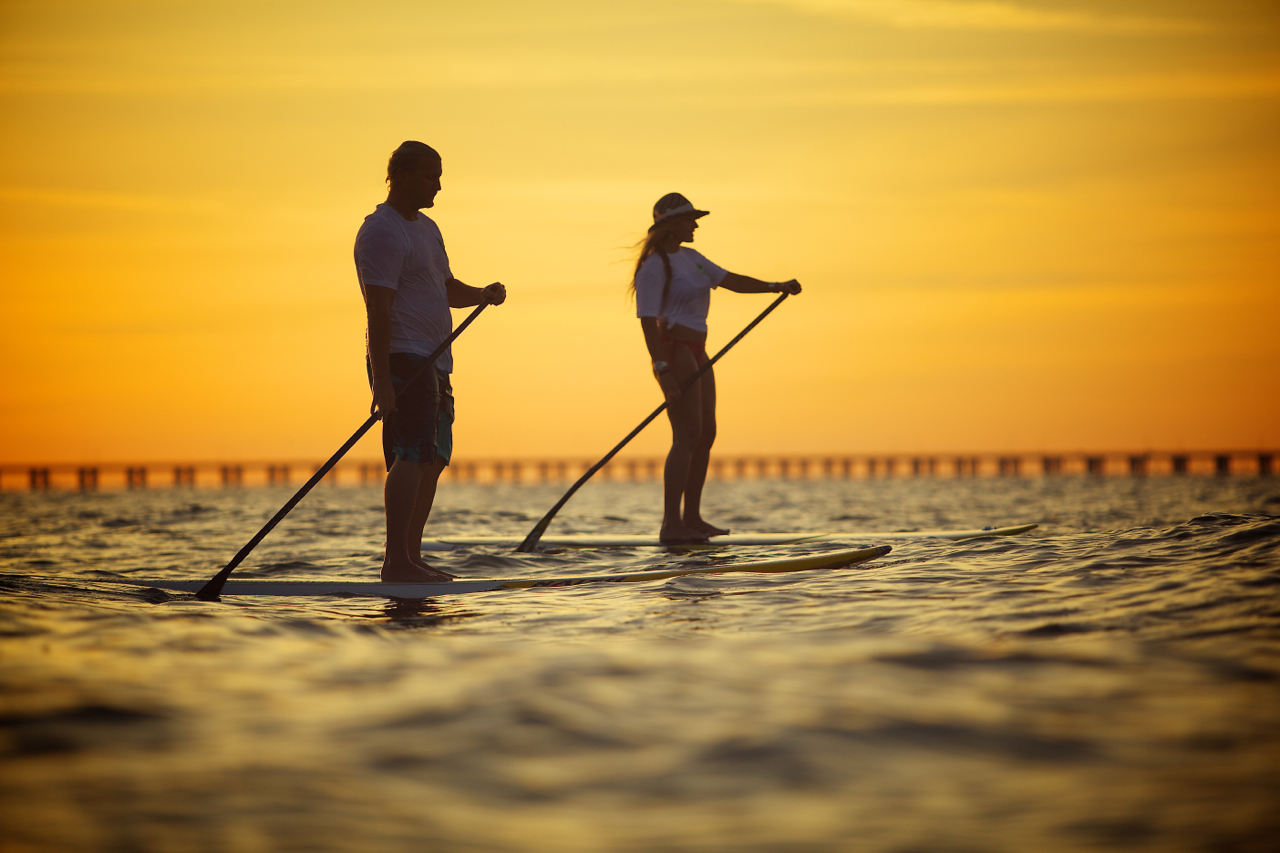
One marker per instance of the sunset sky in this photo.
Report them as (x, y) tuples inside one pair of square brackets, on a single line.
[(1019, 225)]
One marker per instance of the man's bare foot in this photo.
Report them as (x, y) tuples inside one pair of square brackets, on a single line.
[(427, 567), (680, 534), (409, 573), (703, 527)]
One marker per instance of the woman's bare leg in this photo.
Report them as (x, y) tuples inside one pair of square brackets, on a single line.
[(700, 459), (685, 415)]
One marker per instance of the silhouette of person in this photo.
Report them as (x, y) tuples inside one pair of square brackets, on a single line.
[(672, 285), (408, 290)]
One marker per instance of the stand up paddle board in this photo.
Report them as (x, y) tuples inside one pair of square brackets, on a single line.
[(623, 540), (375, 589)]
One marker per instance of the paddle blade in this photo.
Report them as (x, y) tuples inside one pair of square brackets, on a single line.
[(530, 542)]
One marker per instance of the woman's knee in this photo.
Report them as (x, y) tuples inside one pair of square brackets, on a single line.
[(687, 426), (684, 442), (707, 435)]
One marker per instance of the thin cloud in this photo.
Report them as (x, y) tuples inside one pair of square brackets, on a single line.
[(118, 202), (953, 15), (1134, 88)]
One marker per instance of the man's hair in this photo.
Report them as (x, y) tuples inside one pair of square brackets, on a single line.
[(410, 157)]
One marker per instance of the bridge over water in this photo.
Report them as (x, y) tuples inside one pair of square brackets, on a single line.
[(258, 473)]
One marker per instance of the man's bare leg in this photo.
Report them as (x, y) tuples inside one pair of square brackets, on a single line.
[(421, 512), (400, 496)]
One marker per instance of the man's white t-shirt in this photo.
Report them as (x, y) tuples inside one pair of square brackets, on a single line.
[(689, 298), (409, 258)]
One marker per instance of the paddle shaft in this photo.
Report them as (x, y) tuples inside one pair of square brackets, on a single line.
[(531, 541), (211, 590)]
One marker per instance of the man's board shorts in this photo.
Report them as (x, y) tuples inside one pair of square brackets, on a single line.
[(421, 427)]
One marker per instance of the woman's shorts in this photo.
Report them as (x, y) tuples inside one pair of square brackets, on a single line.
[(421, 427), (699, 350)]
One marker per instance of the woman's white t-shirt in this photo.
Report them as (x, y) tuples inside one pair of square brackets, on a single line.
[(689, 298)]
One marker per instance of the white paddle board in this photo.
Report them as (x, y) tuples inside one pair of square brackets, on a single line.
[(640, 540), (827, 560)]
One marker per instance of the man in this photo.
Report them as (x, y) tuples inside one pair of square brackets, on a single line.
[(408, 291)]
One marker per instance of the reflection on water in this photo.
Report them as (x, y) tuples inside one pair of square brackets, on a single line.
[(1110, 681), (419, 612)]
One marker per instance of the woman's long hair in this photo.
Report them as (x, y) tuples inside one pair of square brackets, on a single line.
[(652, 245)]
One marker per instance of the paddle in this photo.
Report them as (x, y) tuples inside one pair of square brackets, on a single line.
[(531, 541), (211, 590)]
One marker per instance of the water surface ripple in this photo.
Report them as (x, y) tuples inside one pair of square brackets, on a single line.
[(1110, 681)]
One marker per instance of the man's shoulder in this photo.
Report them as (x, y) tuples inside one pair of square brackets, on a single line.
[(385, 225), (378, 220), (426, 225), (387, 218)]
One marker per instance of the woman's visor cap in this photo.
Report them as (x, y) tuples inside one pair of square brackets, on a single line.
[(674, 204)]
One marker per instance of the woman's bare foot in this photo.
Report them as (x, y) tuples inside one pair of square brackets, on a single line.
[(680, 534), (410, 573), (705, 528)]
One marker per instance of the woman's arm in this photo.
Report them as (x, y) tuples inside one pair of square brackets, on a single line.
[(652, 338), (657, 354), (746, 284)]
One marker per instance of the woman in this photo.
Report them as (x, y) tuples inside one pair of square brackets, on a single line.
[(672, 286)]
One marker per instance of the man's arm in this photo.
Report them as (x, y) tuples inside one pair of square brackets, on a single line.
[(464, 295), (377, 303), (745, 284)]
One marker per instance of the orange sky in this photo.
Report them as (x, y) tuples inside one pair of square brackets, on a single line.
[(1020, 226)]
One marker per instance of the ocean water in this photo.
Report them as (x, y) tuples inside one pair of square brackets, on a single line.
[(1110, 681)]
